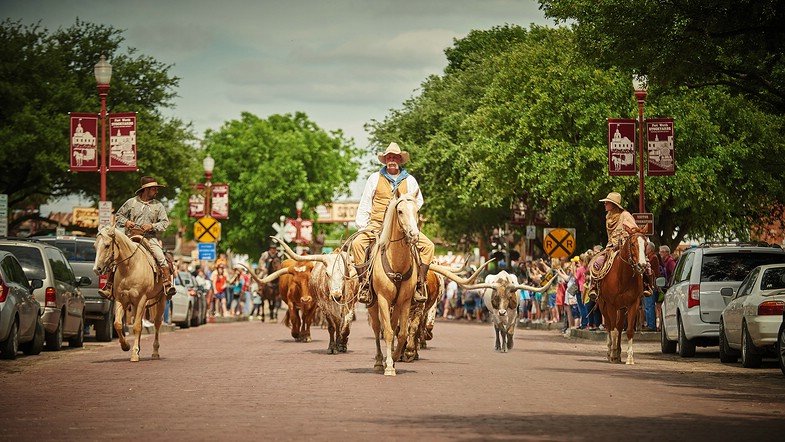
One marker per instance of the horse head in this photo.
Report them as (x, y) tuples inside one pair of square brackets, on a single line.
[(405, 209), (635, 247), (105, 246)]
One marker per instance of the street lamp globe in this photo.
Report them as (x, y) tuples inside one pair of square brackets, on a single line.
[(209, 164), (640, 83), (299, 205), (103, 72)]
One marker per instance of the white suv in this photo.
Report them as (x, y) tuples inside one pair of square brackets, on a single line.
[(693, 303)]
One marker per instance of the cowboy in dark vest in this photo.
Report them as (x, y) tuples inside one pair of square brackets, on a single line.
[(379, 190), (146, 216)]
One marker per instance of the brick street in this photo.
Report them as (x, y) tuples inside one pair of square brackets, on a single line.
[(250, 380)]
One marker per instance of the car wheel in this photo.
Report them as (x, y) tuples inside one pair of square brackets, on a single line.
[(666, 345), (686, 347), (104, 328), (54, 340), (749, 354), (78, 340), (781, 348), (187, 322), (727, 354), (35, 346), (10, 346), (195, 314)]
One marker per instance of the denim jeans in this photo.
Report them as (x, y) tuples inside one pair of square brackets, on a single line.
[(649, 311), (582, 311), (167, 308)]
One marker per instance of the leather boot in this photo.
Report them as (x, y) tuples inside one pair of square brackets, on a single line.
[(106, 291), (364, 295), (421, 292), (166, 277)]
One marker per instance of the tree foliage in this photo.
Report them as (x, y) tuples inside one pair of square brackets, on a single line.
[(695, 43), (269, 164), (44, 75), (528, 124)]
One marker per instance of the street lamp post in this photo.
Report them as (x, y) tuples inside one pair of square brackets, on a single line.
[(298, 222), (209, 164), (640, 84), (103, 74)]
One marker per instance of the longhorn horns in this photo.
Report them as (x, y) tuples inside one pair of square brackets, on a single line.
[(290, 253), (269, 278), (447, 272)]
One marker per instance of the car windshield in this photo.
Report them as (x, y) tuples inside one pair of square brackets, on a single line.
[(734, 266), (30, 259), (773, 279), (75, 251)]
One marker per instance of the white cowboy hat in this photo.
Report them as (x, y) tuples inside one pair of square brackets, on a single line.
[(147, 182), (615, 198), (394, 149)]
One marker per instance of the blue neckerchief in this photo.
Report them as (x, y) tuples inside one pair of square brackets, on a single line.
[(394, 181)]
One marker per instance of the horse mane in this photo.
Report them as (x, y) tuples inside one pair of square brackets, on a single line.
[(123, 240)]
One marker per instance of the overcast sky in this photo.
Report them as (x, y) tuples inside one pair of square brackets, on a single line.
[(342, 62)]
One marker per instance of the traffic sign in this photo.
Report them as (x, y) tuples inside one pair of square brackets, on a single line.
[(206, 251), (104, 213), (531, 232), (3, 214), (645, 222), (559, 242), (283, 231), (207, 229)]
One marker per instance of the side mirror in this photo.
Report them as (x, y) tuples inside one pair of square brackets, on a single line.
[(36, 284), (83, 281), (661, 282), (726, 292)]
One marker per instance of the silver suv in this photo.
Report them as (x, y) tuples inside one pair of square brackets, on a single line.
[(63, 316), (80, 253), (693, 302)]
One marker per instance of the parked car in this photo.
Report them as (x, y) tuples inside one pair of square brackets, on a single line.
[(80, 253), (781, 344), (199, 305), (182, 304), (63, 314), (20, 313), (694, 301), (751, 321)]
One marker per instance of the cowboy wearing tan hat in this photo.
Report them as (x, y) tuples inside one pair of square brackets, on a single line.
[(379, 190), (144, 215)]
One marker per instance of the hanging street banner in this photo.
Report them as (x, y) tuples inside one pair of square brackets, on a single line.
[(621, 146), (220, 201), (196, 206), (84, 144), (662, 155), (122, 142)]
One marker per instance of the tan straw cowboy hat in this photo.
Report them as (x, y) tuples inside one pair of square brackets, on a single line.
[(147, 182), (615, 198), (394, 149)]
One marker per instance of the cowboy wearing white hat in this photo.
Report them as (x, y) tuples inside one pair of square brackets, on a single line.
[(144, 215), (379, 190)]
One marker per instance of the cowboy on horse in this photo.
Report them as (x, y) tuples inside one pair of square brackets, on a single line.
[(145, 216), (617, 222), (379, 191)]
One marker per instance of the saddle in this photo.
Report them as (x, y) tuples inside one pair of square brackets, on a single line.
[(600, 264), (364, 270), (141, 240)]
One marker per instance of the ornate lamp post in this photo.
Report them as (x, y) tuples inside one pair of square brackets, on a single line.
[(640, 83), (103, 74), (209, 164), (298, 222)]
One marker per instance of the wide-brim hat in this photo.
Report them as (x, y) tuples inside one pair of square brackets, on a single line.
[(394, 149), (615, 198), (146, 182)]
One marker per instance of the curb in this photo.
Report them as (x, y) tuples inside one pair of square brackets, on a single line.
[(591, 335), (226, 319)]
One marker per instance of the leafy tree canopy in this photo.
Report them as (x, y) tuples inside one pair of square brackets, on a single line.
[(269, 164), (44, 75), (695, 43)]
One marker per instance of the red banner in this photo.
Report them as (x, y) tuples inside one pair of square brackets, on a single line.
[(621, 146), (662, 155), (84, 142), (196, 206), (122, 142), (220, 201)]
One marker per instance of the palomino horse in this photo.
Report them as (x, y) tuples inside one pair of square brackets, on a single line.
[(134, 284), (394, 269), (622, 289)]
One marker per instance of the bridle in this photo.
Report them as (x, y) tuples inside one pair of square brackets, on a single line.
[(637, 268), (399, 222), (114, 246)]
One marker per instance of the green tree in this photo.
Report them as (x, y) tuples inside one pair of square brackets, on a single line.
[(269, 164), (695, 43), (44, 75)]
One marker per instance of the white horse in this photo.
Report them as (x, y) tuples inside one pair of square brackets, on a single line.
[(134, 284)]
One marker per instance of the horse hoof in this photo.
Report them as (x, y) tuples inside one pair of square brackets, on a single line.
[(134, 358), (389, 371), (308, 339), (125, 346), (378, 368), (630, 362), (156, 356), (331, 351)]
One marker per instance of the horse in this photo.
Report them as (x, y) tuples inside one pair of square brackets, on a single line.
[(622, 289), (269, 292), (135, 284)]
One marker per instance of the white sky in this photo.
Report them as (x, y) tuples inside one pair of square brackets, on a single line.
[(342, 62)]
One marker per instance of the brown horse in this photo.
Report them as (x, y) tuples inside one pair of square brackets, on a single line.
[(135, 284), (269, 292), (621, 290)]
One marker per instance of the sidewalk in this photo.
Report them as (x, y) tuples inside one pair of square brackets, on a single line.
[(592, 335)]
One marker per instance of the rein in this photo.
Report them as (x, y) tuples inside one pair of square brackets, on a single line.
[(113, 260), (631, 262)]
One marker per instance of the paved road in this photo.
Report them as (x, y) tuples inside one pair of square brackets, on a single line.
[(244, 381)]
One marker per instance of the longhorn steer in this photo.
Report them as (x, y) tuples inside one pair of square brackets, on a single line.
[(418, 317), (334, 284), (501, 299)]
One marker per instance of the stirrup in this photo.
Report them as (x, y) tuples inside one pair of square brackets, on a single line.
[(647, 292), (106, 293)]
